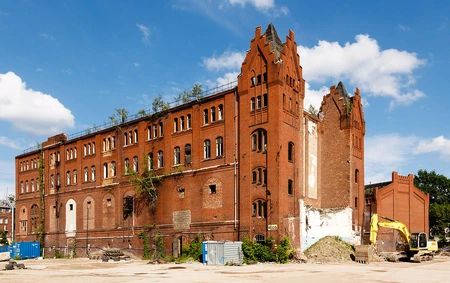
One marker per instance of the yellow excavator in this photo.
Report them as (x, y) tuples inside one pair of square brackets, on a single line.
[(413, 245)]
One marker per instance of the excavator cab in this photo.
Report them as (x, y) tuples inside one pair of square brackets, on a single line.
[(418, 241)]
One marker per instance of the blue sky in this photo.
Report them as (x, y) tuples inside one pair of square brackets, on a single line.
[(66, 65)]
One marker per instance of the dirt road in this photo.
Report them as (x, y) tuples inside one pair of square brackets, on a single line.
[(85, 270)]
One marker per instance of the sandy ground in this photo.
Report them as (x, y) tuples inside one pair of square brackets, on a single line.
[(86, 271)]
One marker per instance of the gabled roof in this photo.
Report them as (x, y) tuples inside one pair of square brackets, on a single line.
[(273, 39)]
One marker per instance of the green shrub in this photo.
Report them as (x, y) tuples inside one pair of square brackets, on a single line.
[(58, 254), (195, 248), (266, 252), (17, 257)]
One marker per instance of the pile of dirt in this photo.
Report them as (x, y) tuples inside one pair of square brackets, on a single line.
[(330, 249)]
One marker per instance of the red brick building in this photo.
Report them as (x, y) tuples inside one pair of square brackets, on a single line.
[(238, 162), (398, 199)]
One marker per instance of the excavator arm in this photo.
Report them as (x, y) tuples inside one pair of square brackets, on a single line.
[(392, 224)]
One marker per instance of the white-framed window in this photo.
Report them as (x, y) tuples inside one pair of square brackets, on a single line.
[(219, 146), (176, 155), (205, 116), (220, 108), (127, 166), (206, 149), (86, 174), (68, 178), (113, 169), (93, 173), (188, 121), (160, 159), (135, 164)]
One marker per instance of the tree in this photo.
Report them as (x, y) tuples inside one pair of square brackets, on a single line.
[(3, 239), (438, 186), (313, 110), (159, 104), (122, 113)]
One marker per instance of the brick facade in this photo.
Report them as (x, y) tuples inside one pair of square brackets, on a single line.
[(236, 163)]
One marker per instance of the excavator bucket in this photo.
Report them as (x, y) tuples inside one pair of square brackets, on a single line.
[(363, 253)]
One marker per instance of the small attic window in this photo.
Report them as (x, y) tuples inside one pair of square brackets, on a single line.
[(253, 81), (258, 79)]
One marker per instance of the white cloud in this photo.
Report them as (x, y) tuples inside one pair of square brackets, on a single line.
[(67, 71), (31, 111), (14, 144), (228, 60), (385, 154), (377, 72), (314, 97), (223, 80), (402, 27), (439, 144), (136, 64), (261, 5), (145, 33), (46, 36)]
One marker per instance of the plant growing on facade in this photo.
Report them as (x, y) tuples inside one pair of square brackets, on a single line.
[(146, 249), (146, 184), (3, 239), (41, 229)]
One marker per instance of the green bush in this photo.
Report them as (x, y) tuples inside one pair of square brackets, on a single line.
[(17, 257), (267, 252), (195, 248)]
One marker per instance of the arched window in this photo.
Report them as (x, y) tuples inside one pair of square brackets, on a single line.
[(175, 125), (135, 136), (127, 165), (182, 123), (205, 116), (104, 144), (93, 173), (105, 170), (259, 140), (149, 132), (213, 114), (176, 155), (160, 159), (21, 187), (93, 147), (150, 161), (252, 104), (206, 149), (260, 238), (85, 150), (113, 169), (68, 178), (219, 146), (130, 137), (220, 112), (187, 154), (125, 138), (86, 174), (26, 186), (74, 176), (135, 164), (188, 121), (32, 185), (161, 133), (52, 181), (291, 152)]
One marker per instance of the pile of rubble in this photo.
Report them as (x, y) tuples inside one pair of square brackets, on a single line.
[(330, 249)]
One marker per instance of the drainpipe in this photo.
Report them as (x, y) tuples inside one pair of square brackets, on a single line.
[(235, 162)]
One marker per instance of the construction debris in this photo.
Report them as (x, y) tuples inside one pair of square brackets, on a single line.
[(12, 264), (330, 249)]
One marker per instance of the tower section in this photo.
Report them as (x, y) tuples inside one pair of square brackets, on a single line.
[(270, 93)]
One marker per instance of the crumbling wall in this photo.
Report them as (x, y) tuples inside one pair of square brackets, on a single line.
[(316, 223)]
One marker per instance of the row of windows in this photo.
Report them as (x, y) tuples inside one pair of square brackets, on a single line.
[(55, 157), (288, 105), (109, 143), (259, 102), (214, 116), (25, 165), (25, 186), (182, 124), (71, 153), (89, 148), (129, 138), (257, 80), (290, 81), (3, 220), (155, 131)]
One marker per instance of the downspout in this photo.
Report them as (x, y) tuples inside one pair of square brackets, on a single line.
[(235, 161)]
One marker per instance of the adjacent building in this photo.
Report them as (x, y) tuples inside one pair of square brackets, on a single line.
[(242, 160), (400, 200)]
